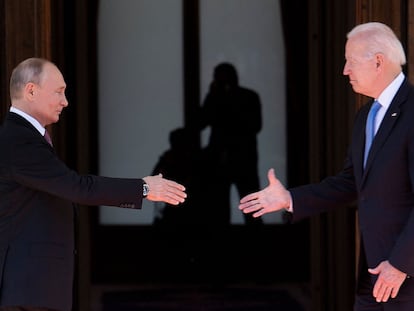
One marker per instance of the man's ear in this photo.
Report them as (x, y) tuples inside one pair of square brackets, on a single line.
[(29, 90), (379, 58)]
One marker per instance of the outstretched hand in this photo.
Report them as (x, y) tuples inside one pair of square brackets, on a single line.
[(271, 199), (165, 190)]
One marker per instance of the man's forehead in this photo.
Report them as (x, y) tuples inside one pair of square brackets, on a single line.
[(354, 48), (52, 74)]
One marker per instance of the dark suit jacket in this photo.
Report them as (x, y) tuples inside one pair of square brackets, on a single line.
[(384, 190), (37, 219)]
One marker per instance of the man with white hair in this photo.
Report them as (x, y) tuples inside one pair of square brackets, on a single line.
[(378, 173)]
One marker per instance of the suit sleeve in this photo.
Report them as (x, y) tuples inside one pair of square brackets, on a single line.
[(332, 192), (36, 166)]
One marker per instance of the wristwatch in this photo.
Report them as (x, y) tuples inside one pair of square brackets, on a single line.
[(145, 189)]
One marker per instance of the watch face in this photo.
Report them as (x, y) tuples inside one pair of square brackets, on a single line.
[(145, 190)]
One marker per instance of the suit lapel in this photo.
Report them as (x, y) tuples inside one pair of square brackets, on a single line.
[(390, 118)]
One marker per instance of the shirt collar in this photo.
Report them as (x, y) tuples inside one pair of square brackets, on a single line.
[(388, 94), (30, 119)]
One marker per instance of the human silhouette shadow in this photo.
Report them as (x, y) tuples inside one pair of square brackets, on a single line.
[(233, 114), (193, 229), (181, 160), (188, 164)]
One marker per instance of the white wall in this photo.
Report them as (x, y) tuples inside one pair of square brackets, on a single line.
[(249, 35), (140, 90), (141, 83)]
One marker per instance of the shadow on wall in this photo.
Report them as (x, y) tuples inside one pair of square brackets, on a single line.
[(233, 114)]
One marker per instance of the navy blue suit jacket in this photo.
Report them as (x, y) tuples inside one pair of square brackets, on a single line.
[(37, 192), (384, 191)]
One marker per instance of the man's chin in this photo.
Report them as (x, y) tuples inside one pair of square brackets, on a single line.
[(355, 88), (55, 120)]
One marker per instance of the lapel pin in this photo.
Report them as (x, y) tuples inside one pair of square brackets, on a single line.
[(394, 114)]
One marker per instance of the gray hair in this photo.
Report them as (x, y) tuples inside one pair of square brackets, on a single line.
[(29, 70), (379, 38)]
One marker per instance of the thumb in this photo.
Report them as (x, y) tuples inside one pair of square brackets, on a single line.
[(271, 176), (375, 270)]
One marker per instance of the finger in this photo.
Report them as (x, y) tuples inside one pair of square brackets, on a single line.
[(247, 204), (176, 191), (381, 292), (394, 292), (378, 295), (386, 294), (258, 213), (250, 206), (174, 184), (173, 199), (373, 271), (249, 197), (167, 194), (178, 196), (376, 290), (271, 176)]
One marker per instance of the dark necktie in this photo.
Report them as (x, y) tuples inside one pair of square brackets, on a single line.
[(370, 128), (48, 139)]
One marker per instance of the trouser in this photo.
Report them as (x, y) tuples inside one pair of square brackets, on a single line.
[(368, 303)]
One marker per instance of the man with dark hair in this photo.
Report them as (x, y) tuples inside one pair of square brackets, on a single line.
[(37, 190)]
